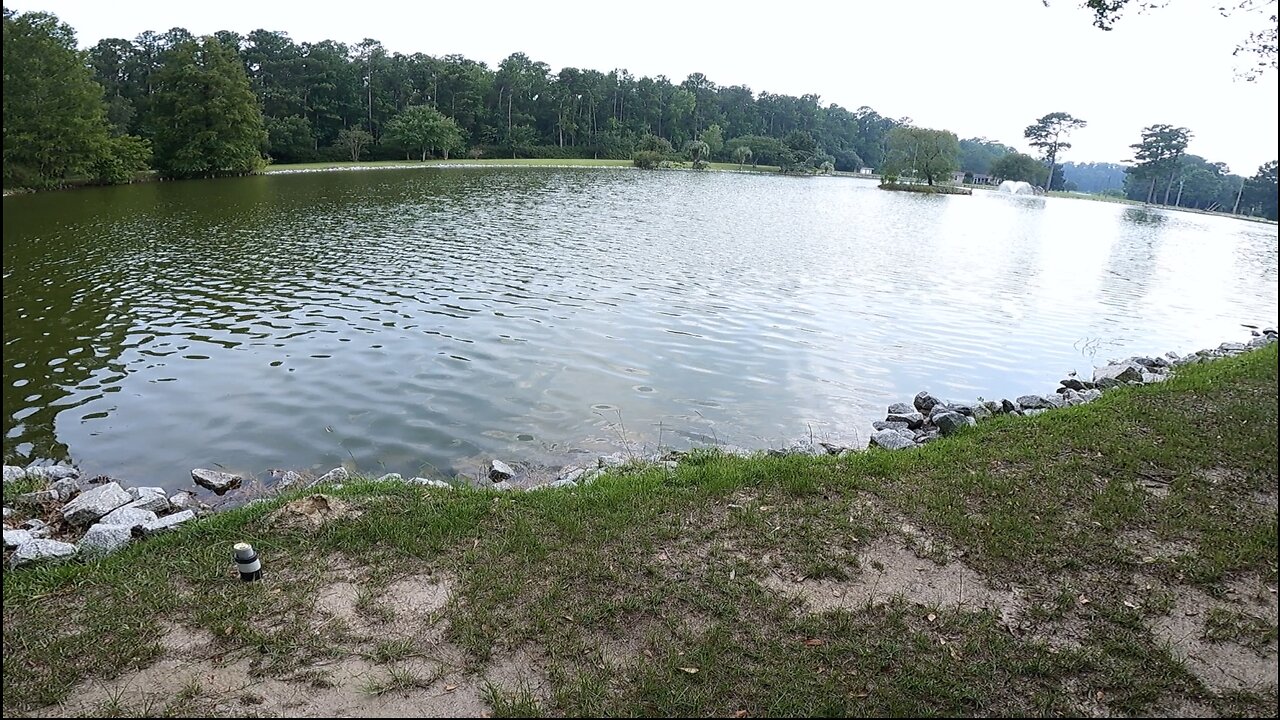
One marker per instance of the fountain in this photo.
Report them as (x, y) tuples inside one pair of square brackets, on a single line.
[(1017, 187)]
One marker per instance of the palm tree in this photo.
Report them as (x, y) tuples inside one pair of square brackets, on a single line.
[(742, 154), (696, 149)]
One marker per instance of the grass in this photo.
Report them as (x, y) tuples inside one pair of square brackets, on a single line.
[(651, 593)]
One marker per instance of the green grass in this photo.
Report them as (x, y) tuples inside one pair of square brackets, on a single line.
[(620, 589)]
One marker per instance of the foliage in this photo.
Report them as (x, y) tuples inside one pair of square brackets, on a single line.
[(123, 158), (426, 129), (1260, 192), (978, 154), (1019, 167), (741, 154), (647, 159), (1095, 177), (1048, 134), (290, 139), (55, 123), (1159, 156), (921, 153), (353, 141), (207, 121), (697, 150), (713, 136)]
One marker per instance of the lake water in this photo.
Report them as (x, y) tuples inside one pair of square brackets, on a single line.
[(403, 320)]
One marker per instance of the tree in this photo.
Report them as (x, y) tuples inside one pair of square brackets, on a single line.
[(922, 153), (55, 123), (697, 150), (978, 154), (1259, 192), (713, 136), (425, 129), (741, 155), (354, 141), (123, 158), (207, 121), (1048, 135), (1158, 156), (1019, 167), (289, 138)]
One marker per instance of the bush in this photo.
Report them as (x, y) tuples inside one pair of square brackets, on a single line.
[(647, 159), (121, 160)]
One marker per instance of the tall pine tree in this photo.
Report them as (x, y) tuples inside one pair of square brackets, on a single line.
[(206, 118)]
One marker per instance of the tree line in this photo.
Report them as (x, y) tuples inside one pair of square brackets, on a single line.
[(187, 106)]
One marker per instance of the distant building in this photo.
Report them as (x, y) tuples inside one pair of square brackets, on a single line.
[(866, 171), (957, 177), (980, 179)]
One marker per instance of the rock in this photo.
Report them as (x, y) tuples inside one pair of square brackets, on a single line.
[(831, 448), (167, 523), (93, 504), (949, 422), (562, 484), (391, 477), (150, 498), (963, 408), (925, 402), (1035, 411), (993, 407), (1090, 395), (1055, 401), (1117, 374), (1073, 397), (13, 472), (571, 473), (336, 475), (1232, 348), (184, 500), (499, 471), (1151, 362), (887, 425), (14, 538), (7, 512), (891, 440), (1154, 377), (103, 539), (901, 409), (49, 473), (429, 482), (215, 480), (127, 516), (37, 549), (912, 419), (1034, 402), (35, 525), (503, 486), (65, 488), (286, 478), (1075, 383), (981, 412), (1171, 355), (37, 499), (617, 459), (1008, 406), (938, 410)]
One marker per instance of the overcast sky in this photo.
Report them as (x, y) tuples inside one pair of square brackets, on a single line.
[(980, 68)]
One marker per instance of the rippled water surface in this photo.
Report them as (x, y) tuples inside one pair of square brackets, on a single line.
[(409, 319)]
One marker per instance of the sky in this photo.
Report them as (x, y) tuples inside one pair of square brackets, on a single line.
[(983, 68)]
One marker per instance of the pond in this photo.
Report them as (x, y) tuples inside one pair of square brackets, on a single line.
[(422, 320)]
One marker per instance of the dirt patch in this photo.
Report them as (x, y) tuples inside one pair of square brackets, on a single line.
[(418, 597), (1148, 548), (889, 571), (311, 512), (1222, 664)]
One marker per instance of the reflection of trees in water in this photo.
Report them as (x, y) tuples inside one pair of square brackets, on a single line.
[(1143, 216), (1131, 265)]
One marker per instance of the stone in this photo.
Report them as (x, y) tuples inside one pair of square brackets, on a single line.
[(1090, 395), (924, 402), (7, 512), (562, 484), (1073, 397), (831, 448), (938, 410), (963, 408), (617, 459), (912, 419), (65, 489), (1034, 402), (217, 481), (35, 525), (1055, 401), (1171, 355), (503, 486), (127, 516), (1075, 383), (430, 482), (286, 478), (49, 473), (391, 477), (184, 500), (901, 409), (499, 471), (38, 549), (168, 522), (336, 475), (14, 538), (103, 539), (1034, 411), (13, 472), (949, 422), (887, 425), (1232, 348), (93, 504), (1117, 374), (981, 412), (995, 408), (1154, 377), (891, 440), (1151, 362), (571, 473), (1008, 406), (150, 498)]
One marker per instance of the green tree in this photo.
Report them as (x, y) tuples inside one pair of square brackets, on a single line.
[(922, 153), (1019, 167), (697, 151), (55, 122), (1158, 156), (1048, 135), (425, 129), (354, 141), (741, 155), (1260, 192), (978, 154), (207, 121), (124, 157), (713, 136), (289, 139)]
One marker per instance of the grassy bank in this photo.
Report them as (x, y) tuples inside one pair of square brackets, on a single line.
[(495, 162), (1114, 558), (926, 189)]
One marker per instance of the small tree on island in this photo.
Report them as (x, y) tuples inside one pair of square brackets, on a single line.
[(922, 153), (425, 129), (354, 140)]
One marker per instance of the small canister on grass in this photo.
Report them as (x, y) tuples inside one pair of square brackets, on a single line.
[(247, 562)]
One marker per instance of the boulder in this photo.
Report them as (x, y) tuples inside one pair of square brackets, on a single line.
[(901, 408), (1055, 401), (13, 472), (1090, 395), (1150, 362), (429, 482), (103, 539), (130, 517), (336, 475), (995, 408), (1154, 377), (65, 489), (1232, 348), (14, 538), (891, 440), (963, 408), (890, 425), (1073, 397), (1034, 402), (150, 498), (168, 522), (39, 549), (938, 410), (391, 477), (831, 448), (49, 473), (950, 422), (217, 481), (1117, 374), (499, 471), (1008, 406), (571, 472), (184, 500), (1035, 411), (982, 412), (286, 478), (503, 486), (1075, 383), (924, 402), (912, 419), (93, 504)]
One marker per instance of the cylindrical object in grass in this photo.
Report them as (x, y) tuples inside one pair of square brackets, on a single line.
[(247, 562)]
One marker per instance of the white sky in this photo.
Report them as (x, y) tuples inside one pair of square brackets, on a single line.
[(979, 68)]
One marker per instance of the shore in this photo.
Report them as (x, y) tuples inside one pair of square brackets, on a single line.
[(490, 162), (1115, 557)]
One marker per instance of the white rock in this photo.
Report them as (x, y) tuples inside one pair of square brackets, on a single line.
[(1118, 374), (335, 475), (101, 539), (429, 482), (40, 549), (129, 517), (95, 503), (184, 501), (499, 471), (65, 489), (503, 486), (150, 498), (1154, 377), (14, 538), (391, 477), (168, 522), (52, 472), (217, 481), (13, 472)]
